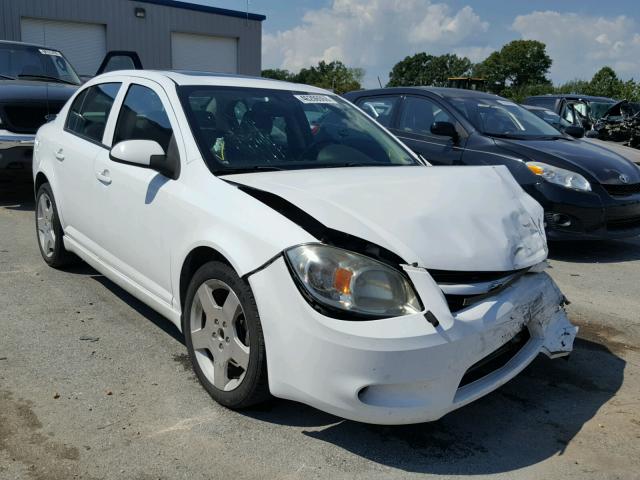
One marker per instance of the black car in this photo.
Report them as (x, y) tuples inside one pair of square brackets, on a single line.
[(579, 110), (35, 82), (588, 192)]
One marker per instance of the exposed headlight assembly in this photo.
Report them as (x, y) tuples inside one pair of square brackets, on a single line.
[(350, 283), (560, 176)]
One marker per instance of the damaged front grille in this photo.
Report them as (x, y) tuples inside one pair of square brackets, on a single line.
[(623, 223), (496, 359), (622, 190), (27, 118), (462, 289)]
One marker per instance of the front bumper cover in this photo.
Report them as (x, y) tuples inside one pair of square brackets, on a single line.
[(402, 370), (594, 215), (16, 152)]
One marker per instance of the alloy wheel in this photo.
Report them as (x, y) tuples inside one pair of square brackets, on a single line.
[(219, 335), (44, 220)]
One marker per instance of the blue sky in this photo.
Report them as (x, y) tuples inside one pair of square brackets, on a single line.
[(581, 35)]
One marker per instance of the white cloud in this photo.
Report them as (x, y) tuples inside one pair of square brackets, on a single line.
[(373, 34), (581, 44), (475, 54)]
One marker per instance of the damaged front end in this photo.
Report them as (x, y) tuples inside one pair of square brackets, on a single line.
[(621, 123)]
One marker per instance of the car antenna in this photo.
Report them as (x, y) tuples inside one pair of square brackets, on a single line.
[(379, 82)]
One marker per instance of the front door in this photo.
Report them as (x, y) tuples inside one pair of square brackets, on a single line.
[(413, 127), (135, 202)]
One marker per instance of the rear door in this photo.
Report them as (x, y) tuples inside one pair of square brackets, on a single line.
[(413, 126), (76, 148)]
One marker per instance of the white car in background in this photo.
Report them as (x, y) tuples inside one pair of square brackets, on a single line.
[(303, 251)]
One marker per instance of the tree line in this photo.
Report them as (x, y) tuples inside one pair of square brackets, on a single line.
[(519, 69)]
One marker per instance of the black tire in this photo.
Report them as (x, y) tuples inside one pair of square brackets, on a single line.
[(56, 256), (254, 387)]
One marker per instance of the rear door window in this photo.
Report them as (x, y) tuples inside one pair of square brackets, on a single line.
[(90, 110)]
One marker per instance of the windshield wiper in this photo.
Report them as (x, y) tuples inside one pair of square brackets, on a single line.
[(7, 77), (509, 136), (46, 77)]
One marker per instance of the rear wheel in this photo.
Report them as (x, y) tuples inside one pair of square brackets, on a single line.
[(49, 230), (224, 337)]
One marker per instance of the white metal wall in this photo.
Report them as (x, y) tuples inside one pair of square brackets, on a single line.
[(84, 44), (203, 52)]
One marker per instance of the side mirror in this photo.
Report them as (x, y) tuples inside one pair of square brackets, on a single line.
[(144, 153), (574, 131), (444, 129)]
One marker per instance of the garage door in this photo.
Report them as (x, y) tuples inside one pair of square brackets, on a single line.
[(84, 44), (203, 52)]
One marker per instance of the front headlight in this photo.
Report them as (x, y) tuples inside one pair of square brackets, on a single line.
[(351, 283), (560, 176)]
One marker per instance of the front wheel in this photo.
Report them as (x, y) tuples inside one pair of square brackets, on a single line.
[(49, 230), (224, 337)]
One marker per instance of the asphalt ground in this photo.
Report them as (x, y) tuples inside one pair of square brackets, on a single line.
[(94, 384)]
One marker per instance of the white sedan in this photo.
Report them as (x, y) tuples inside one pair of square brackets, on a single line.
[(303, 251)]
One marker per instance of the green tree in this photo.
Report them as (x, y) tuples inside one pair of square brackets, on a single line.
[(517, 64), (425, 69), (278, 74), (334, 76), (573, 86), (605, 82)]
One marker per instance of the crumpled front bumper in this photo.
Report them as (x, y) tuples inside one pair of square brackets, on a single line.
[(402, 370)]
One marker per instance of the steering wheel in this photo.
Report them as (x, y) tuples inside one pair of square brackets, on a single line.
[(314, 149)]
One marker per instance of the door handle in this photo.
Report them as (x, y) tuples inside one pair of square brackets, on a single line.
[(60, 155), (104, 176)]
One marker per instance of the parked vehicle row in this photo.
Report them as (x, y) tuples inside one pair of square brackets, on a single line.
[(559, 123), (35, 83), (303, 250), (587, 191)]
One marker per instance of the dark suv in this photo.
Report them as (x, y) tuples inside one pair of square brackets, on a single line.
[(35, 82), (587, 191)]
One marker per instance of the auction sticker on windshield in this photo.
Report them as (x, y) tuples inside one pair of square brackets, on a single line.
[(315, 98)]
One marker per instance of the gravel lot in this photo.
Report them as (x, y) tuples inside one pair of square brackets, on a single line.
[(93, 384)]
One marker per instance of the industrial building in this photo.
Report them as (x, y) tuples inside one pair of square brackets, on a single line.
[(167, 34)]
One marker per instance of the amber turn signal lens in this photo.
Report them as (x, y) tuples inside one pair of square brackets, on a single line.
[(536, 169), (342, 280)]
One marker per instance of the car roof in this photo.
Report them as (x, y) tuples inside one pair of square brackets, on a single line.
[(183, 77), (574, 96), (10, 42), (443, 92)]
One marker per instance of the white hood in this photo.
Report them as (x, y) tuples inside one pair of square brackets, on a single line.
[(445, 218)]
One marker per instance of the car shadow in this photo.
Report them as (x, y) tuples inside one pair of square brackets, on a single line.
[(530, 419), (82, 268), (158, 320), (14, 197), (593, 251)]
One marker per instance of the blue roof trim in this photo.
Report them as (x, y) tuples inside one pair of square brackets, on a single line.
[(206, 9)]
